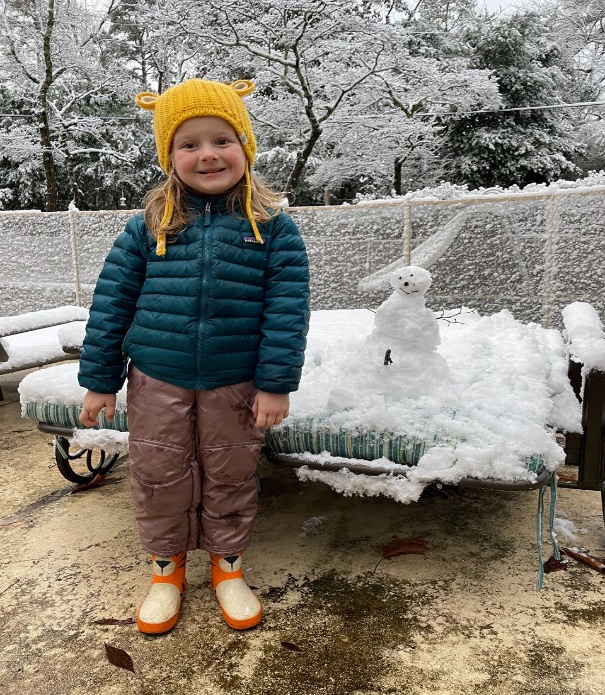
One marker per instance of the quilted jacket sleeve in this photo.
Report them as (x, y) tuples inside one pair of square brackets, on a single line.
[(286, 311), (102, 365)]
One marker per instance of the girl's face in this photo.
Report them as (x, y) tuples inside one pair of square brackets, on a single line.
[(207, 155)]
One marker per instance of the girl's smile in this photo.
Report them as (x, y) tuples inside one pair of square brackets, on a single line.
[(207, 155)]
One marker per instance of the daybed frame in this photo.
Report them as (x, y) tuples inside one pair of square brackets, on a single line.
[(585, 451)]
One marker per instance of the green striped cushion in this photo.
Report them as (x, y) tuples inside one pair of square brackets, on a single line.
[(67, 415), (311, 434), (315, 436)]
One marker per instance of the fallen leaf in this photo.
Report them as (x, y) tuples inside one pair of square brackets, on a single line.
[(567, 478), (118, 657), (407, 546), (97, 481), (582, 556), (114, 621), (552, 565), (292, 647)]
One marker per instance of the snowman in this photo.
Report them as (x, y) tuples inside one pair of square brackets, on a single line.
[(399, 358), (403, 320)]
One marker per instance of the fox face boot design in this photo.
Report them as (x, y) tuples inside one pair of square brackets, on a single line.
[(240, 607), (161, 609)]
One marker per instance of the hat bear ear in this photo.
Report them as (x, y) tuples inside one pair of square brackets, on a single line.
[(243, 87), (147, 100)]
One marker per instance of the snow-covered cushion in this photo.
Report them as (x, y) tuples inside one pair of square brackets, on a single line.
[(53, 395), (67, 415), (316, 435)]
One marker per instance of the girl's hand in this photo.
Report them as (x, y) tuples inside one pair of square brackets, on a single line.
[(270, 408), (92, 405)]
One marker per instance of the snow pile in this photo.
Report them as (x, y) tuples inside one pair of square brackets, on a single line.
[(585, 335), (111, 441), (32, 348), (506, 393), (71, 335), (59, 384)]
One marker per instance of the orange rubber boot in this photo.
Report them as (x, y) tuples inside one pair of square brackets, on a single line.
[(162, 607), (240, 606)]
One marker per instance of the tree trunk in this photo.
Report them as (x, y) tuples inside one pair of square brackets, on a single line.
[(301, 160), (397, 182), (52, 189), (48, 162)]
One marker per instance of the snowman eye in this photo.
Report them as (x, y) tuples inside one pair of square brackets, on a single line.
[(400, 277), (405, 284)]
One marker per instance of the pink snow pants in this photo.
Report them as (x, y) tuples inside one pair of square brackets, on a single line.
[(193, 455)]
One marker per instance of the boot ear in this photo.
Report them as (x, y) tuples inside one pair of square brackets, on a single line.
[(146, 100), (243, 87)]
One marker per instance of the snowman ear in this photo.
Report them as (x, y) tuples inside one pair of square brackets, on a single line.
[(146, 100), (243, 87)]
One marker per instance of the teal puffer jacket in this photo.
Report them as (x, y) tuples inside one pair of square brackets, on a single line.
[(217, 309)]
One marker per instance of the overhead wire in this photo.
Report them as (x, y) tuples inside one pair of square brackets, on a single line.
[(420, 113)]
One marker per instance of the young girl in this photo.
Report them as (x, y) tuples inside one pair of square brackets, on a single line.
[(207, 294)]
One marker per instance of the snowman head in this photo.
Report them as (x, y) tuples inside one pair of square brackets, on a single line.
[(411, 280)]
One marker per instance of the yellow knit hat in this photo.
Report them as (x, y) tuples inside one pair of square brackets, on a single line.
[(195, 98)]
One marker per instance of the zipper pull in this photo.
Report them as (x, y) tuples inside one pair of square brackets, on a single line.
[(207, 215)]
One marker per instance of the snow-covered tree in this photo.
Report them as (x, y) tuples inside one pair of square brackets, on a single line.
[(579, 26), (517, 147), (337, 81), (58, 80)]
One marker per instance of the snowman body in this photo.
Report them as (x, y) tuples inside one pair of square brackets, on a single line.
[(403, 319), (399, 358)]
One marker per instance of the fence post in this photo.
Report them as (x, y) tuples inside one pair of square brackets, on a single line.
[(72, 211), (551, 223), (407, 233)]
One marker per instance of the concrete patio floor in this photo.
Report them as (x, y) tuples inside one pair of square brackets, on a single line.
[(463, 618)]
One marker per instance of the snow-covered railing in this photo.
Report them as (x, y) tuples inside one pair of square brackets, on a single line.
[(31, 339)]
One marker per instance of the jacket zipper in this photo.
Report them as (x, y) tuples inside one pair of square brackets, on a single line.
[(206, 249)]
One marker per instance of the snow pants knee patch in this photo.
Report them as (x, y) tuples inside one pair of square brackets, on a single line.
[(165, 484), (230, 496)]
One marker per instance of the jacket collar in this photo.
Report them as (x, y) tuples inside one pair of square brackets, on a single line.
[(198, 202)]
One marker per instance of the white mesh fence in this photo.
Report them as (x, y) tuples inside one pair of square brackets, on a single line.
[(530, 253)]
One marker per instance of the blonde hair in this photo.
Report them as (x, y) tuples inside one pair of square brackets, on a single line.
[(265, 204)]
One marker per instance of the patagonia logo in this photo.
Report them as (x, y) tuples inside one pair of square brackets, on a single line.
[(249, 239)]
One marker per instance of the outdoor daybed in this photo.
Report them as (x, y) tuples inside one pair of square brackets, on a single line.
[(511, 389)]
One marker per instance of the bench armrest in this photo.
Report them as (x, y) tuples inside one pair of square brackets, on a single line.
[(35, 320), (585, 336)]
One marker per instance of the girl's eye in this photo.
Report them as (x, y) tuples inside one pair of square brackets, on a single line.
[(188, 146), (222, 141)]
